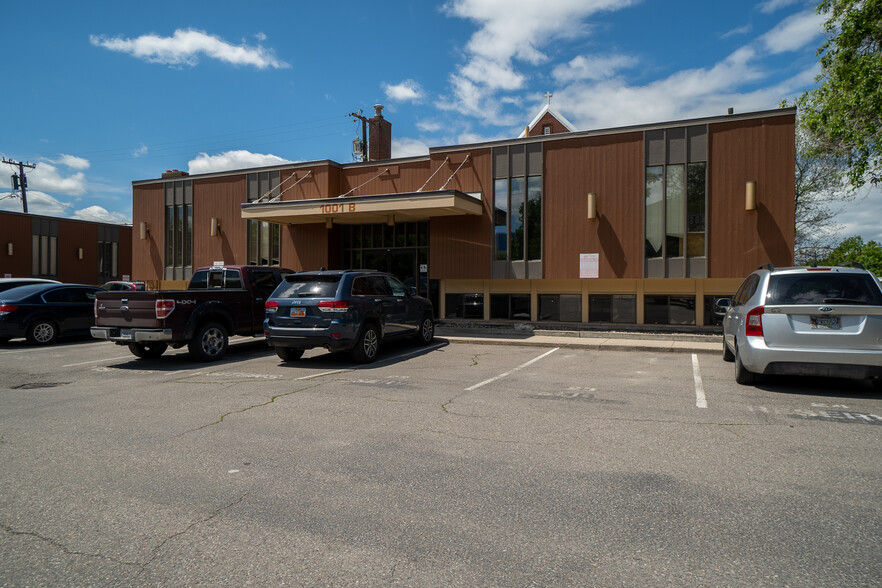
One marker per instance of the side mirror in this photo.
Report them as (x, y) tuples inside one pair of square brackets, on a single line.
[(413, 291), (724, 303)]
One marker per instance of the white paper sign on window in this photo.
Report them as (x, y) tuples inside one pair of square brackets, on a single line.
[(589, 265)]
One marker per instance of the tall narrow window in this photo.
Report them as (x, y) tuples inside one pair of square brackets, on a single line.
[(264, 239), (178, 229), (517, 219), (655, 220), (44, 248), (500, 219), (696, 182), (675, 205), (534, 218)]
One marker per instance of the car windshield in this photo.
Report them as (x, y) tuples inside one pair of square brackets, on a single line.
[(294, 286), (823, 288)]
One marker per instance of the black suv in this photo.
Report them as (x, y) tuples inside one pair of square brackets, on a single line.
[(344, 310)]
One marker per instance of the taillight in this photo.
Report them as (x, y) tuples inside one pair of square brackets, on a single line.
[(163, 307), (754, 325), (95, 308), (333, 305), (271, 306), (7, 308)]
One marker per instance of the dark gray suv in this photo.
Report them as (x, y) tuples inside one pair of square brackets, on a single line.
[(344, 310)]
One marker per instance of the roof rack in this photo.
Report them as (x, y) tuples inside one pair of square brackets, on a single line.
[(768, 266), (853, 264)]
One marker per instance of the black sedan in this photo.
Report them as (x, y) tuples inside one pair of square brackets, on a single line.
[(44, 312)]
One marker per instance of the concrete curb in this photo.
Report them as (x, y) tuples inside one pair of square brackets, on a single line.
[(596, 343)]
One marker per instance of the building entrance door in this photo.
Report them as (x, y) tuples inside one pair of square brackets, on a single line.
[(401, 263)]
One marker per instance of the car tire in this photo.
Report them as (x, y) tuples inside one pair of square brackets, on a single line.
[(743, 376), (368, 344), (42, 332), (728, 356), (426, 331), (289, 353), (209, 342), (147, 350)]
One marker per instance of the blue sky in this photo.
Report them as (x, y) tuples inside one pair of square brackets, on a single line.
[(99, 94)]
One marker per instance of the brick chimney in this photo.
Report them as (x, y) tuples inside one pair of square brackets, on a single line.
[(174, 173), (379, 136)]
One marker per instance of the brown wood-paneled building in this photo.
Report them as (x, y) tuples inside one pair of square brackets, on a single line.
[(64, 249), (640, 225)]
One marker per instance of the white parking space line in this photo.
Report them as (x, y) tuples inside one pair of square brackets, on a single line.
[(700, 400), (310, 377), (508, 373), (97, 361)]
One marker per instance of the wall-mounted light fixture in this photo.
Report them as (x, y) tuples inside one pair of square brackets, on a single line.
[(144, 230), (329, 223), (79, 253), (9, 248), (592, 205), (750, 196), (390, 220), (215, 226)]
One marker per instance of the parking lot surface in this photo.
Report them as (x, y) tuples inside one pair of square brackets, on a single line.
[(456, 464)]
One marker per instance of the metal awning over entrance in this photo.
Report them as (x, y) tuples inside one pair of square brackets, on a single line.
[(380, 208)]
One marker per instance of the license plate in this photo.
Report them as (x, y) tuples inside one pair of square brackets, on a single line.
[(831, 323), (125, 333), (298, 312)]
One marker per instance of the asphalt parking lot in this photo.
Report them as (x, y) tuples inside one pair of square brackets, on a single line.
[(453, 465)]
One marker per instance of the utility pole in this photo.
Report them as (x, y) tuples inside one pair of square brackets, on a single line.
[(364, 144), (21, 180)]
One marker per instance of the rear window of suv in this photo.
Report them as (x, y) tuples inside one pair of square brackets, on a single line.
[(823, 288), (294, 286)]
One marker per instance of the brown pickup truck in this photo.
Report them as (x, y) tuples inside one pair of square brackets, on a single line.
[(220, 301)]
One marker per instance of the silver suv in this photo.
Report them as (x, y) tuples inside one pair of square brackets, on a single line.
[(806, 321)]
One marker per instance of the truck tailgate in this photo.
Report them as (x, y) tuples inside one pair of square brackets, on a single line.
[(127, 309)]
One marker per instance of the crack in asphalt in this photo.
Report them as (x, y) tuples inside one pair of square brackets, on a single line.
[(159, 547), (247, 408), (64, 548)]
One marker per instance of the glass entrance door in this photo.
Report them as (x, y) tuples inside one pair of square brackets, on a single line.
[(401, 263)]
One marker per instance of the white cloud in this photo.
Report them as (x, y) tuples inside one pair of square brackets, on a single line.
[(510, 30), (408, 90), (101, 215), (592, 67), (72, 161), (428, 126), (408, 147), (229, 160), (140, 151), (38, 203), (861, 216), (794, 32), (46, 177), (185, 47), (770, 6), (737, 31)]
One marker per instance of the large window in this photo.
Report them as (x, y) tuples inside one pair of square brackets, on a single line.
[(517, 203), (178, 229), (264, 239), (108, 253), (44, 248), (675, 202)]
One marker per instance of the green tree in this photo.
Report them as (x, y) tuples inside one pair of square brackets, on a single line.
[(854, 249), (845, 111)]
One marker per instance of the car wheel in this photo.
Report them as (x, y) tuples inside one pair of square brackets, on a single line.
[(426, 332), (727, 353), (367, 346), (289, 353), (743, 376), (147, 350), (42, 332), (209, 343)]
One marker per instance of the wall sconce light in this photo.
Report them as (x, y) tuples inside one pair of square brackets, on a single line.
[(145, 230), (329, 223), (750, 196), (215, 226), (390, 220), (9, 248), (80, 253), (592, 205)]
